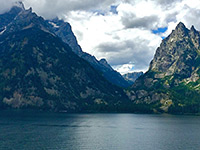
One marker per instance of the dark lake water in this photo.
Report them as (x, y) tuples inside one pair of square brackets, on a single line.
[(49, 131)]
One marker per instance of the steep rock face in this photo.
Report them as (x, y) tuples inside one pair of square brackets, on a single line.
[(176, 53), (9, 16), (27, 19), (18, 17), (131, 77), (38, 70), (172, 82), (64, 31)]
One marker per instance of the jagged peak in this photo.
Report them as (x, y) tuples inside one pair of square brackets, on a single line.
[(28, 12), (180, 26), (180, 30), (193, 30), (103, 60), (30, 9), (56, 19), (19, 4), (60, 22)]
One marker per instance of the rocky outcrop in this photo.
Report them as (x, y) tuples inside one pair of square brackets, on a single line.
[(9, 16), (172, 82)]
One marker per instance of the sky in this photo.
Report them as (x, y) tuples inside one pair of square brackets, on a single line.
[(124, 32)]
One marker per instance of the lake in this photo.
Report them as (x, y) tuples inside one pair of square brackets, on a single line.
[(26, 130)]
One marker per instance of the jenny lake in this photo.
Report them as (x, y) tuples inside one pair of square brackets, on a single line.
[(22, 130)]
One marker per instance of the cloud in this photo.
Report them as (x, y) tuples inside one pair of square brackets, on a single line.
[(123, 69), (128, 38), (134, 22), (110, 36), (136, 49), (169, 4), (119, 30), (53, 8), (6, 5)]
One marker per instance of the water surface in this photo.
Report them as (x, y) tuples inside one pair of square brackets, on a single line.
[(22, 130)]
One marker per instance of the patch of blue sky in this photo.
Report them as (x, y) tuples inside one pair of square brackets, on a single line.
[(113, 9), (160, 31)]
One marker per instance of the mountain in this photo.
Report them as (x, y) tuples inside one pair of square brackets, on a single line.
[(131, 77), (9, 16), (38, 70), (64, 31), (172, 83)]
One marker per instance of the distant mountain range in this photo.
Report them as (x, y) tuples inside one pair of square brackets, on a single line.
[(131, 77)]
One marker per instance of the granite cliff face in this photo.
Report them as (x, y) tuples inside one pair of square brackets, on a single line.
[(38, 70), (172, 82)]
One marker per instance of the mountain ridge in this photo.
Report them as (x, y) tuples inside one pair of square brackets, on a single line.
[(39, 71), (171, 83), (63, 30)]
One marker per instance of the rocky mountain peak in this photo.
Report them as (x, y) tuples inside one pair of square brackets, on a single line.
[(195, 37), (19, 4), (193, 29), (176, 52), (26, 19), (173, 79), (27, 13), (180, 31), (180, 25), (20, 19), (9, 16), (193, 32), (104, 62)]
